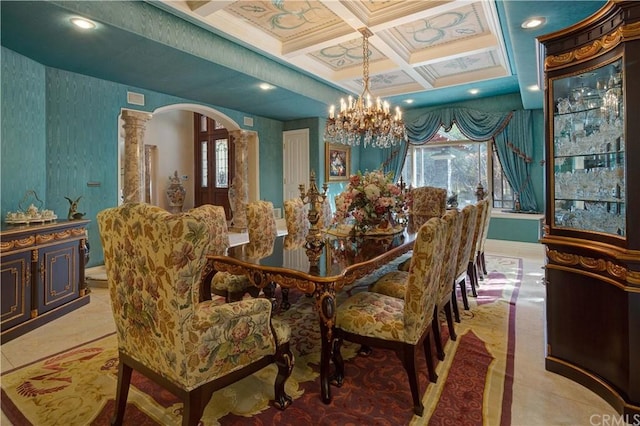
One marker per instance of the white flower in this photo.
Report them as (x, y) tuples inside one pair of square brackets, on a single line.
[(372, 192)]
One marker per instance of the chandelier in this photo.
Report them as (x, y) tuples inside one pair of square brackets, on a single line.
[(362, 121)]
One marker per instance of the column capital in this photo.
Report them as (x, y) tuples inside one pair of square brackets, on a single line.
[(136, 115)]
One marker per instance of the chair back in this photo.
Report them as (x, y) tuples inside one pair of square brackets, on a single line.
[(261, 226), (326, 216), (295, 214), (453, 218), (469, 219), (427, 202), (482, 205), (485, 228), (154, 262), (423, 279)]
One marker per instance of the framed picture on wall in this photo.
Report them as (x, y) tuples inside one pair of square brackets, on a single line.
[(337, 162)]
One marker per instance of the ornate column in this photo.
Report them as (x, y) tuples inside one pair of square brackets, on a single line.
[(135, 123), (239, 190)]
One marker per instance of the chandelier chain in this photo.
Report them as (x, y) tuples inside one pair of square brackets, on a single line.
[(365, 63)]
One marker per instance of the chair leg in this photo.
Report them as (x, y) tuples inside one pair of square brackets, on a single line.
[(193, 408), (338, 362), (472, 273), (433, 377), (474, 282), (285, 298), (435, 325), (484, 263), (284, 361), (454, 302), (122, 392), (463, 291), (449, 315), (409, 361), (479, 267), (270, 293)]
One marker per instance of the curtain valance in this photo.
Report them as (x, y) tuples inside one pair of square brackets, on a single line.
[(474, 124)]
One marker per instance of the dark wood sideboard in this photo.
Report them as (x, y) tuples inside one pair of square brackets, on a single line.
[(42, 274)]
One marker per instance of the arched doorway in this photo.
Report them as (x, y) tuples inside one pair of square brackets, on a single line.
[(170, 129)]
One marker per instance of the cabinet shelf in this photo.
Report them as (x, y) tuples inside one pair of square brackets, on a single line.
[(575, 112)]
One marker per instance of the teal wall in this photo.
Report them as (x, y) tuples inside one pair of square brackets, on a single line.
[(23, 147), (60, 131), (528, 231)]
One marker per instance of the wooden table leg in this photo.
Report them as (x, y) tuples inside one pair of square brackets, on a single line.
[(326, 304)]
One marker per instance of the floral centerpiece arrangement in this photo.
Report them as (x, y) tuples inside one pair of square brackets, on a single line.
[(371, 203)]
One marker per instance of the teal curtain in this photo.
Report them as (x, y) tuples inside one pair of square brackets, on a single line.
[(515, 149), (476, 125), (394, 159)]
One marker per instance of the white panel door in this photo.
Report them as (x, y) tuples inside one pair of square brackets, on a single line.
[(295, 149)]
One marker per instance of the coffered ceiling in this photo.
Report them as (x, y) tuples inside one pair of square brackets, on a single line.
[(415, 46)]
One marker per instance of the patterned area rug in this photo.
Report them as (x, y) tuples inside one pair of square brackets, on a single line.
[(77, 387)]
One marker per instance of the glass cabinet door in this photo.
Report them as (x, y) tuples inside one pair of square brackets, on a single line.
[(588, 150)]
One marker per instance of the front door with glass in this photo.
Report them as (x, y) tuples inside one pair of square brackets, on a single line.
[(213, 163)]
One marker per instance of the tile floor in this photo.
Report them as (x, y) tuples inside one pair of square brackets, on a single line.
[(539, 397)]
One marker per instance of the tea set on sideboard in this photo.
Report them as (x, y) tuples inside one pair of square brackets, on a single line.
[(34, 213)]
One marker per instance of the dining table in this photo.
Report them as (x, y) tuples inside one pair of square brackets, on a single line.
[(320, 267)]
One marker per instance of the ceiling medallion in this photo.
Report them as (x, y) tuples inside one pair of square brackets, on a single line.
[(362, 121)]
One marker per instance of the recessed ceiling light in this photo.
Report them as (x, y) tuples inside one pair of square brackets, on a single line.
[(266, 86), (533, 88), (534, 22), (474, 91), (83, 23), (408, 101)]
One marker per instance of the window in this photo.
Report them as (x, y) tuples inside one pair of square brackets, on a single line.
[(453, 162), (222, 163)]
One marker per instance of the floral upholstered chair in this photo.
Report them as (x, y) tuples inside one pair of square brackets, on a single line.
[(231, 287), (154, 262), (446, 292), (400, 324), (481, 262), (427, 202), (295, 215), (472, 267), (261, 225), (469, 219), (394, 283)]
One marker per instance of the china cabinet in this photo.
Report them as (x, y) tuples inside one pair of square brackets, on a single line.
[(42, 274), (592, 217)]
